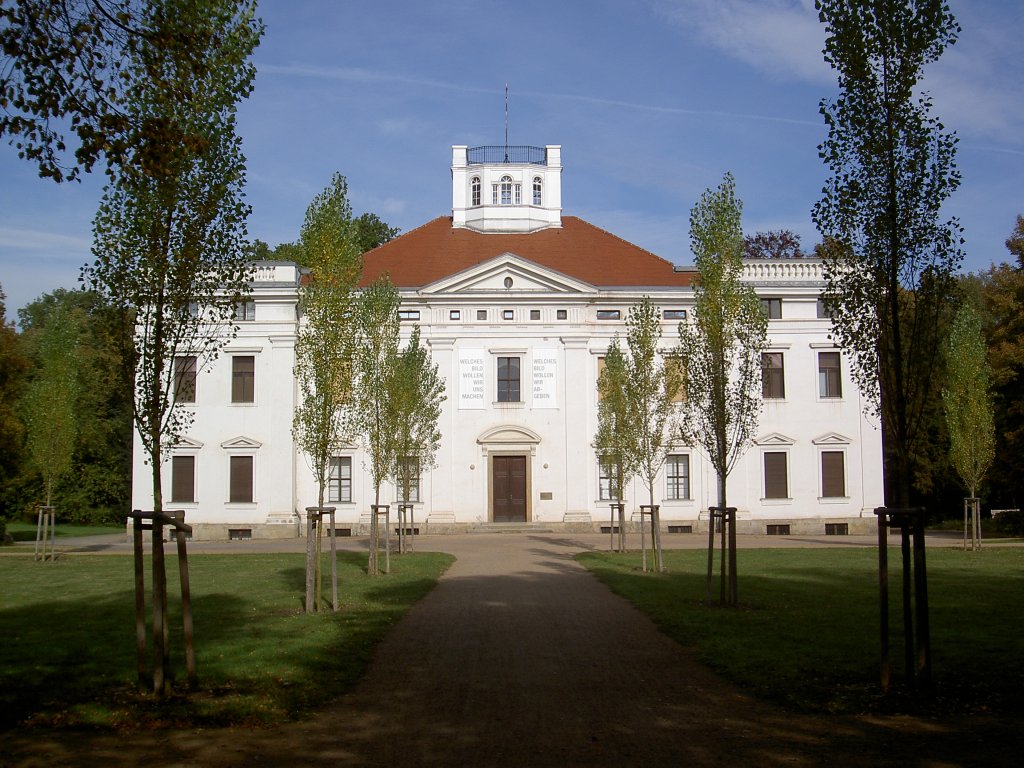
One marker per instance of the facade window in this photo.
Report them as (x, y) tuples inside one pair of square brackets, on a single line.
[(454, 314), (339, 479), (562, 314), (475, 190), (519, 194), (673, 314), (675, 365), (823, 312), (185, 379), (773, 380), (502, 192), (609, 314), (508, 380), (410, 464), (607, 480), (776, 475), (833, 474), (536, 190), (677, 476), (535, 314), (183, 479), (243, 379), (772, 308), (507, 314), (408, 314), (240, 481), (245, 310), (481, 314), (830, 383)]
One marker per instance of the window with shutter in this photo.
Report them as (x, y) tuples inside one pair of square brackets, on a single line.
[(241, 479), (833, 480), (776, 482), (243, 379), (183, 479)]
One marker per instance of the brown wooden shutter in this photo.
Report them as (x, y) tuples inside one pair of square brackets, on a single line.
[(776, 485), (243, 379), (832, 475), (241, 479), (183, 479)]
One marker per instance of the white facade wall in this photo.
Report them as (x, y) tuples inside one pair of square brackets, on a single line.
[(562, 483)]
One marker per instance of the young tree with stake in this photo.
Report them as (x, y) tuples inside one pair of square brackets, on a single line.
[(326, 343), (720, 351)]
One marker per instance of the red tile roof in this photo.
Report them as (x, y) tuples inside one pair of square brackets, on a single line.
[(578, 249)]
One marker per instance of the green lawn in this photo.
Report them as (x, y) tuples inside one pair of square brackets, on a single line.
[(806, 633), (67, 637), (27, 531)]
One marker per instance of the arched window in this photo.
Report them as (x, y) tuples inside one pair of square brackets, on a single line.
[(506, 190), (475, 187), (536, 190)]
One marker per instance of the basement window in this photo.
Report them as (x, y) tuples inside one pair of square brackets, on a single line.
[(837, 529), (239, 534), (680, 529), (778, 530)]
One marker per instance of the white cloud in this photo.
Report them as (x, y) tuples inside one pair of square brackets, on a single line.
[(779, 37)]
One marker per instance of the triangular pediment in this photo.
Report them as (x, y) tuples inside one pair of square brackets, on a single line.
[(187, 444), (508, 274), (832, 438), (241, 442), (774, 438)]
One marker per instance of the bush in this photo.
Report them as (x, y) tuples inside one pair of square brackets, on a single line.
[(1009, 523)]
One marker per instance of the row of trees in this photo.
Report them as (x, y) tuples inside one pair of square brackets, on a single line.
[(356, 384)]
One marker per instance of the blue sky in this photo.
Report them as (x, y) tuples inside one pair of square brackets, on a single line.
[(651, 100)]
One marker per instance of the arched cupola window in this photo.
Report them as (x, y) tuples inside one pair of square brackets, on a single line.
[(537, 190), (502, 192), (475, 190)]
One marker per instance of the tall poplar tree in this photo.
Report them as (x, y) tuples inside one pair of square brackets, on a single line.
[(324, 348), (169, 235), (50, 404), (892, 169), (327, 337), (720, 351), (375, 359), (414, 405), (967, 397)]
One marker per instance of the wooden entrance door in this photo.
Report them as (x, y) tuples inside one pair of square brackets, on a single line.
[(509, 484)]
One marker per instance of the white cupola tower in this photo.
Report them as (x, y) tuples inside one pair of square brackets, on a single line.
[(507, 189)]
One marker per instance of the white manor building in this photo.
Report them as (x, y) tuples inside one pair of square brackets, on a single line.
[(517, 304)]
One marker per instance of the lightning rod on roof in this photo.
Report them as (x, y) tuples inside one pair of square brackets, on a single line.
[(506, 122)]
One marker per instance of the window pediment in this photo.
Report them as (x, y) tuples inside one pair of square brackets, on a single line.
[(241, 442), (774, 438), (831, 438)]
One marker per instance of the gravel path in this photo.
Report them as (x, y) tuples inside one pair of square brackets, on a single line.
[(521, 658)]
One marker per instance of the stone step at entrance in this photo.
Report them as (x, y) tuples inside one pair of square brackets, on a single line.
[(510, 528)]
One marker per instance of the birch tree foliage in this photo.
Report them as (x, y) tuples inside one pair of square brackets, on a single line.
[(720, 350), (51, 399), (968, 400), (375, 362), (649, 387), (327, 337), (170, 231), (892, 165), (414, 402), (616, 429)]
